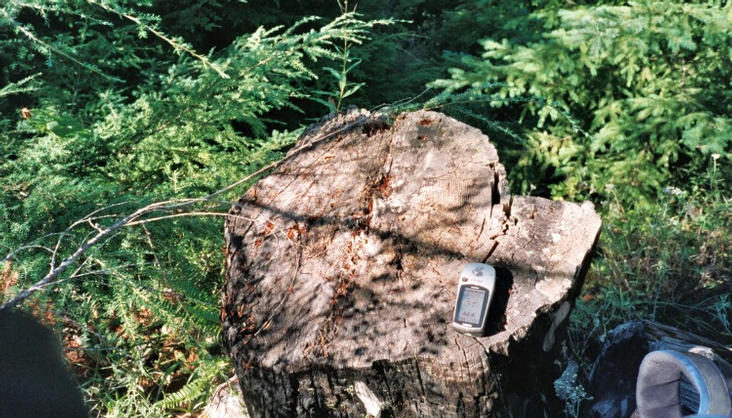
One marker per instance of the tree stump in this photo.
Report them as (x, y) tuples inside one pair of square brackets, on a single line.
[(342, 267)]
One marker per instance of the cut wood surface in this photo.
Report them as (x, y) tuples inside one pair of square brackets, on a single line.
[(342, 266)]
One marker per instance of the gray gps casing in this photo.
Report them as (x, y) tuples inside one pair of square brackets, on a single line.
[(475, 288)]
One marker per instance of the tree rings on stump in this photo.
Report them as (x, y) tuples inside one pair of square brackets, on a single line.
[(342, 266)]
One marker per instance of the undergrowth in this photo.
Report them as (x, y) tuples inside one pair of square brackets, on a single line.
[(670, 263)]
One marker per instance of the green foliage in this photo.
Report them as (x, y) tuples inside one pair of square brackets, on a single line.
[(616, 95), (670, 263), (660, 263)]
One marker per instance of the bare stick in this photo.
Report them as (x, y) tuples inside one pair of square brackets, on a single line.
[(51, 275), (12, 254)]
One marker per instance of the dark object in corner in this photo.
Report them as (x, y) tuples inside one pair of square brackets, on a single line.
[(34, 381), (615, 372), (670, 382)]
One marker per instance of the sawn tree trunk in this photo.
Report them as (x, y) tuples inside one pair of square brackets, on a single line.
[(342, 266)]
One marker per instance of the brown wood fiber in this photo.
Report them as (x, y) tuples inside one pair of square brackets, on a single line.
[(342, 266)]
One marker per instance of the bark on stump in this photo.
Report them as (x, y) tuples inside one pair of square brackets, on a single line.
[(342, 266)]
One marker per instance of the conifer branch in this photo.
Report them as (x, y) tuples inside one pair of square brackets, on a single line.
[(137, 218), (17, 87), (30, 35), (170, 41)]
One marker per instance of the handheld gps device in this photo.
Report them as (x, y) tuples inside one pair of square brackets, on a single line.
[(475, 289)]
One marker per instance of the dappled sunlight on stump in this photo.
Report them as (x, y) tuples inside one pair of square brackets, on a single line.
[(342, 266)]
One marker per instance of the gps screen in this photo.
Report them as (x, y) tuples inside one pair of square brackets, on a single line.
[(471, 305)]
